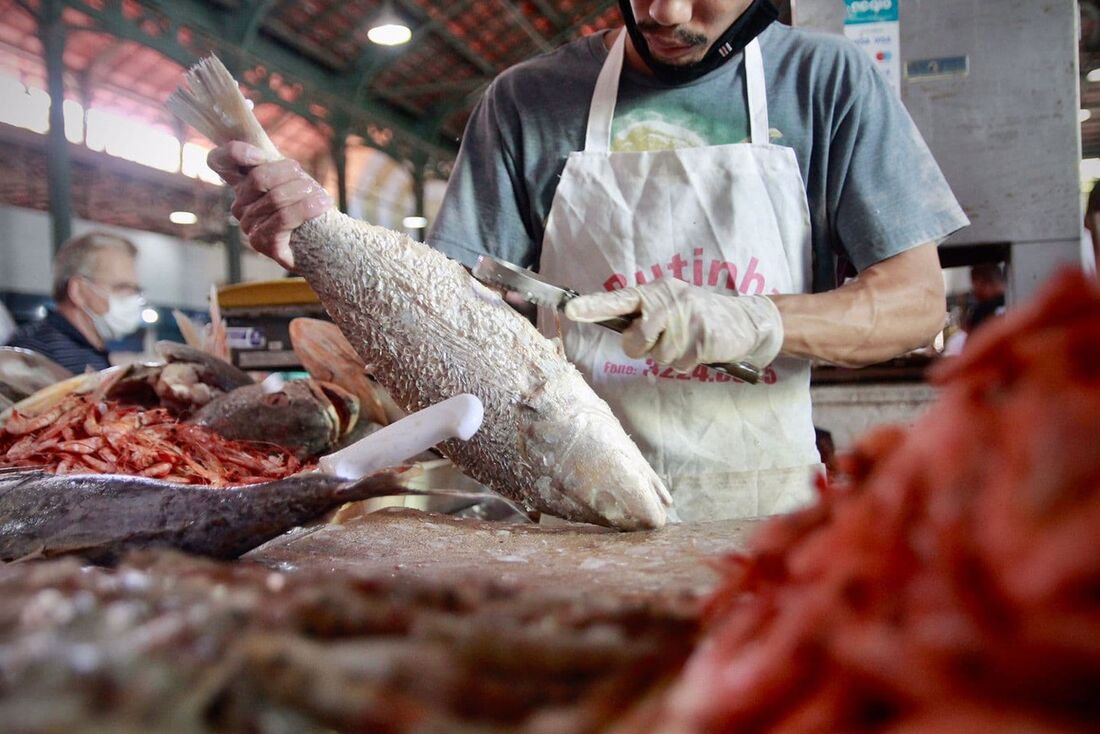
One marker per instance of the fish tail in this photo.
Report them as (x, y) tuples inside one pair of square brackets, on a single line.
[(213, 105)]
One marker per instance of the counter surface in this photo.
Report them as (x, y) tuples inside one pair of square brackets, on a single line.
[(558, 559)]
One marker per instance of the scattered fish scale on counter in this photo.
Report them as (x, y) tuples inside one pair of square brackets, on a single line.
[(428, 331)]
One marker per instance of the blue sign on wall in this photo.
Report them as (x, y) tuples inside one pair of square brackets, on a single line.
[(871, 11)]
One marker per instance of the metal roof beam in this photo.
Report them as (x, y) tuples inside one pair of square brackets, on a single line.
[(571, 32), (217, 26), (252, 19), (451, 39), (372, 64), (459, 85), (322, 17), (550, 12), (525, 25)]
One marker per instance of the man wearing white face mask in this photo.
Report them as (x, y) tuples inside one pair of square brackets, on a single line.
[(98, 301)]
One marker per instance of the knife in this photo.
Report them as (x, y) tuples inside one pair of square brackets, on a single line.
[(541, 292)]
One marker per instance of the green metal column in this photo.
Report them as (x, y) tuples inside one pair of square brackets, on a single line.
[(340, 160), (419, 167), (51, 31)]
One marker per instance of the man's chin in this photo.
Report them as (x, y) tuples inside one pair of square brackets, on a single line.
[(678, 62)]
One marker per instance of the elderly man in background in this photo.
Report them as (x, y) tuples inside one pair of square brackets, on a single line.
[(98, 300)]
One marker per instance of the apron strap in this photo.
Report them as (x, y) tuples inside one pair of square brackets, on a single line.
[(757, 94), (602, 111)]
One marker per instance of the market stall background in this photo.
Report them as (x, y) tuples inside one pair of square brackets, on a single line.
[(380, 127)]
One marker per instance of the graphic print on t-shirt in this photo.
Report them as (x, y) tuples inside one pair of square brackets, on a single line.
[(673, 124)]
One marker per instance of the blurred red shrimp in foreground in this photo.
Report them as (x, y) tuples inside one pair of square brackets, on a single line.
[(951, 581)]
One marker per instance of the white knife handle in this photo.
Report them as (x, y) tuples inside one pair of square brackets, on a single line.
[(458, 417)]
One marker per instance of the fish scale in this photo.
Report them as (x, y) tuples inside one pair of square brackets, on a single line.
[(428, 331)]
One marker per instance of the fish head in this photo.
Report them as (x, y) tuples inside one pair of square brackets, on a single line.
[(344, 404), (586, 465), (211, 370), (300, 416)]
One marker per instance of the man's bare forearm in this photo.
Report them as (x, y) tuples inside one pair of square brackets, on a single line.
[(891, 308)]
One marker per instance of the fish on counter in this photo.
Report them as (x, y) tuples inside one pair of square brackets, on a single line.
[(308, 417), (180, 645), (23, 373), (102, 517), (427, 331), (186, 378)]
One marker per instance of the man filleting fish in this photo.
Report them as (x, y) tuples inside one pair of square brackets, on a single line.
[(721, 176)]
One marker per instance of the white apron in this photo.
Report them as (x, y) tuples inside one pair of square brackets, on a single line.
[(729, 218)]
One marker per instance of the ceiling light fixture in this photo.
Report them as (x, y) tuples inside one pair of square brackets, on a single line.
[(150, 316), (388, 29), (1094, 75), (414, 222), (183, 218)]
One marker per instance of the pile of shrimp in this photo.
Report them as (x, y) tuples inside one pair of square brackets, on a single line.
[(950, 580), (85, 435)]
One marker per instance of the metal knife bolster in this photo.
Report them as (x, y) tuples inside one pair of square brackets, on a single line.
[(534, 289)]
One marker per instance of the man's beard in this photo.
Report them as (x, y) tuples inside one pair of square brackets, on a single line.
[(697, 41)]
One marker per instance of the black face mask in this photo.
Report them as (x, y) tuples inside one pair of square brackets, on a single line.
[(751, 24)]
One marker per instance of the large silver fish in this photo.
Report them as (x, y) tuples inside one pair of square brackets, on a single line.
[(428, 331)]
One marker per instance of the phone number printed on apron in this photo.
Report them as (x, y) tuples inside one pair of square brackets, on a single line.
[(699, 374)]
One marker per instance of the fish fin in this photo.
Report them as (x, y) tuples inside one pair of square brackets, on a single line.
[(192, 335), (37, 554)]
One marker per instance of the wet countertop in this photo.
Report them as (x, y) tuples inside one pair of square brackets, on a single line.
[(562, 559)]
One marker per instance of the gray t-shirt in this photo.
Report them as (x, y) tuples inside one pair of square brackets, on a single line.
[(874, 189)]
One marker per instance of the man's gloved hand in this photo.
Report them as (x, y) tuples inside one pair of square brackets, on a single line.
[(684, 326), (273, 198)]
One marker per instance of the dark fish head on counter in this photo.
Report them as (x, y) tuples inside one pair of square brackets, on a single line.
[(305, 416)]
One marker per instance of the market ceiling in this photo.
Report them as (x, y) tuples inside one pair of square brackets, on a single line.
[(310, 61), (313, 72)]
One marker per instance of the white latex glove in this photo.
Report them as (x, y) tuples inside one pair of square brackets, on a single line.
[(684, 326)]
